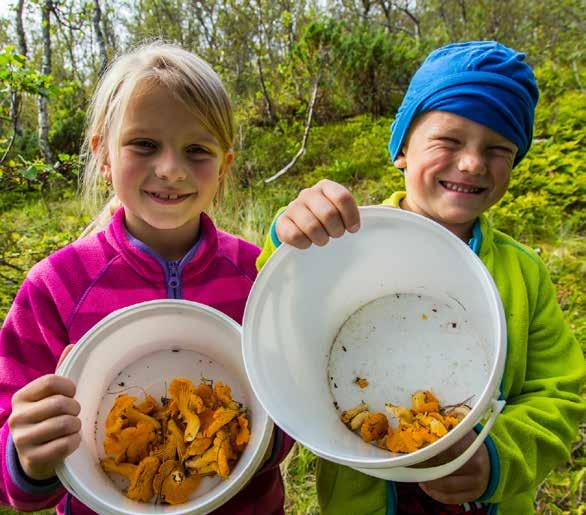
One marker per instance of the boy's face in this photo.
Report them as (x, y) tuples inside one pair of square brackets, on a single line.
[(454, 169)]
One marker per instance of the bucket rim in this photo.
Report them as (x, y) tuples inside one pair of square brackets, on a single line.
[(479, 410)]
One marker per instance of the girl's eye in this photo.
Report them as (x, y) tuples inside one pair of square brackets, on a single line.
[(198, 150), (143, 144)]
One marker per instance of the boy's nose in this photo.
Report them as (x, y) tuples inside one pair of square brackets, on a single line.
[(472, 162), (170, 167)]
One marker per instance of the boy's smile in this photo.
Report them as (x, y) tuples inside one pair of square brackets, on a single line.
[(455, 169)]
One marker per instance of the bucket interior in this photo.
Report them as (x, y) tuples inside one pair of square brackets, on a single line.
[(142, 349), (401, 303)]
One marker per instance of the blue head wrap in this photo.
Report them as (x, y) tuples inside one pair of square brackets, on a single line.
[(483, 81)]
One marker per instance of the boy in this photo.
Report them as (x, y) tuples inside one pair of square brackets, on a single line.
[(465, 122)]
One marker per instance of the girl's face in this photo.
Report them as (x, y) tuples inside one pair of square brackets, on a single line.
[(166, 172), (455, 169)]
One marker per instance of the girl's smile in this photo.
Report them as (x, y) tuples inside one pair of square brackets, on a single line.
[(168, 198)]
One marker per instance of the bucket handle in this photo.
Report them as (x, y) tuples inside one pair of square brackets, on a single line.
[(417, 475)]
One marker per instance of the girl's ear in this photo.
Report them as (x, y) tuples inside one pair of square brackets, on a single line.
[(105, 169), (95, 141), (226, 164)]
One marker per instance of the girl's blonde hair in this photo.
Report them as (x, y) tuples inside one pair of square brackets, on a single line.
[(189, 78)]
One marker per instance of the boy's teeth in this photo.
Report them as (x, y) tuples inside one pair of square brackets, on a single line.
[(459, 188)]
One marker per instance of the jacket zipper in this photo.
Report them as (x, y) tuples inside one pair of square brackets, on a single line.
[(173, 280)]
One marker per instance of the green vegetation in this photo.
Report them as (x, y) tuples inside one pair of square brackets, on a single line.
[(271, 54)]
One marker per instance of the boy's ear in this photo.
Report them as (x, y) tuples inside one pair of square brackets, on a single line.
[(401, 161)]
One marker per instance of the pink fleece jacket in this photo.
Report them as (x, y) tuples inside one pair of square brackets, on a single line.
[(67, 293)]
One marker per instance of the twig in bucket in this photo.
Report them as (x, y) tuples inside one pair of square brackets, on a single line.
[(109, 392), (457, 405)]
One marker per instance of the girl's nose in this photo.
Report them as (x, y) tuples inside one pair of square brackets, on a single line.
[(170, 167), (473, 162)]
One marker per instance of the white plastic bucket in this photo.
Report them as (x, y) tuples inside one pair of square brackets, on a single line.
[(402, 303), (147, 345)]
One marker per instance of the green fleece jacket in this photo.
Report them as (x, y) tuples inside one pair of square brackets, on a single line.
[(541, 384)]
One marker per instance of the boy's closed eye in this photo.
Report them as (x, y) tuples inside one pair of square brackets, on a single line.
[(448, 140), (501, 150)]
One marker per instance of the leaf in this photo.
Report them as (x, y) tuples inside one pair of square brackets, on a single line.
[(576, 480), (31, 173)]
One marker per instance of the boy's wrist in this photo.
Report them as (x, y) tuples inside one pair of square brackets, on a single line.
[(273, 231), (494, 476)]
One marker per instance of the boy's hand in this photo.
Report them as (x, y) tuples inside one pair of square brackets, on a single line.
[(44, 424), (318, 213), (468, 483)]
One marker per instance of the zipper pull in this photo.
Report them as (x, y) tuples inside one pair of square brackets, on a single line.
[(173, 277)]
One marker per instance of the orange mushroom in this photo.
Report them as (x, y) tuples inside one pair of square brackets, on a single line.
[(181, 391), (123, 469), (221, 417), (177, 487), (117, 418), (148, 405), (141, 482), (141, 442), (223, 393), (243, 435), (374, 426), (198, 447)]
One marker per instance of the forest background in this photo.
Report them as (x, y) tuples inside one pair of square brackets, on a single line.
[(314, 86)]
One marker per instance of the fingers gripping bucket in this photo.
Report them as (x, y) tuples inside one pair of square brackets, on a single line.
[(402, 303)]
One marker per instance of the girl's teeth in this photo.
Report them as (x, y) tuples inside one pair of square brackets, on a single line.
[(166, 197)]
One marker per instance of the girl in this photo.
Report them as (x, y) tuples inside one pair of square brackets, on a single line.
[(160, 138)]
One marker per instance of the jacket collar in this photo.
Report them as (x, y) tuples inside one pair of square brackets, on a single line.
[(485, 228), (147, 263)]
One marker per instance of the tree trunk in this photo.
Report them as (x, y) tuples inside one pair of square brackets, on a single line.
[(22, 50), (265, 93), (97, 19), (46, 9)]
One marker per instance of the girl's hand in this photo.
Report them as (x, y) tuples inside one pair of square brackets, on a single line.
[(468, 483), (44, 424), (318, 213)]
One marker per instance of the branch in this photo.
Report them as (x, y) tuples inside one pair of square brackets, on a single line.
[(60, 18), (305, 134), (8, 279), (3, 262), (265, 92)]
